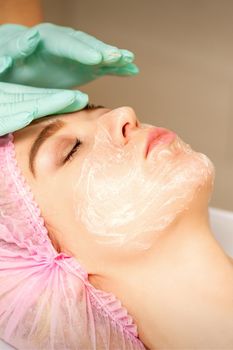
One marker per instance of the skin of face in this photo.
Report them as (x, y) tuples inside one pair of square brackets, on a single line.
[(109, 176), (111, 163)]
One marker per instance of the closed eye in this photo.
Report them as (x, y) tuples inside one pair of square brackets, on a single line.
[(92, 106), (78, 143), (74, 149)]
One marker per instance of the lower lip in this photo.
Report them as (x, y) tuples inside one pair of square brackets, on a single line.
[(164, 139)]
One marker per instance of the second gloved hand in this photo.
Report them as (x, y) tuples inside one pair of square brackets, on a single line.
[(53, 56), (20, 105)]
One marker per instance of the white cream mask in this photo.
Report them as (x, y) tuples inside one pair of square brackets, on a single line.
[(123, 198)]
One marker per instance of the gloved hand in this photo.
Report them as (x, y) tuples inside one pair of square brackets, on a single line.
[(19, 105), (53, 56)]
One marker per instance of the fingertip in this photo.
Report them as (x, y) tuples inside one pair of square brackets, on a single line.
[(127, 56), (27, 118), (53, 103), (28, 41), (130, 69), (62, 97), (81, 98), (111, 55), (95, 57), (80, 102)]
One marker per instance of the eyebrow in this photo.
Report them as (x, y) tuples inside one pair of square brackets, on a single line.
[(44, 135)]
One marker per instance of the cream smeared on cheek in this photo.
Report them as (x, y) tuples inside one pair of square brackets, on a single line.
[(122, 198)]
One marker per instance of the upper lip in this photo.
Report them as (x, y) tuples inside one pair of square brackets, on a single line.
[(153, 135)]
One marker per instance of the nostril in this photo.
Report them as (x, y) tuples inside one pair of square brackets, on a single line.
[(124, 129)]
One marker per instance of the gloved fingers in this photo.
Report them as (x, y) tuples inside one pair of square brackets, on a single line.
[(64, 43), (5, 63), (81, 100), (13, 122), (39, 107), (100, 52), (110, 54), (62, 102), (17, 93), (127, 57), (21, 44), (126, 70), (14, 94), (15, 116)]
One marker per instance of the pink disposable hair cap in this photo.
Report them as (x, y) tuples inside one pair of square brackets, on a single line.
[(46, 300)]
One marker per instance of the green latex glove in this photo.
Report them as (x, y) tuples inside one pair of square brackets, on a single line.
[(20, 105), (53, 56)]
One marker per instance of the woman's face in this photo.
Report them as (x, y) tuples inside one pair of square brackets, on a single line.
[(105, 181)]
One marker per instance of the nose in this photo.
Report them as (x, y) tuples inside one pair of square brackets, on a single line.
[(122, 123)]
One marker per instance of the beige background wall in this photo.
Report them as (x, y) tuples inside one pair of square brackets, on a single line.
[(184, 49)]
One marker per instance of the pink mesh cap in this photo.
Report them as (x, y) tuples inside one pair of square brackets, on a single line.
[(46, 300)]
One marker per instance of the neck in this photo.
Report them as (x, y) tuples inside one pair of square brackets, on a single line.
[(180, 291)]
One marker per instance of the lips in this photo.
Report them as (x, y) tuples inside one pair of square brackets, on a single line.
[(158, 136)]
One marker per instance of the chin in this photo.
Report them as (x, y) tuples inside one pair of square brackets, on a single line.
[(182, 176), (204, 186), (197, 191), (204, 173)]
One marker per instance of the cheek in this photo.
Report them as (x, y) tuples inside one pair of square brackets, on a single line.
[(121, 199), (54, 196)]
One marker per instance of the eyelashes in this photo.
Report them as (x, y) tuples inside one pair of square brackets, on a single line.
[(92, 106), (74, 149), (78, 143)]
